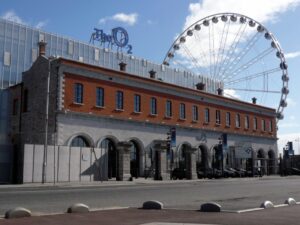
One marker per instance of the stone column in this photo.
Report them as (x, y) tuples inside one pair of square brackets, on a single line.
[(123, 170), (191, 167), (160, 147)]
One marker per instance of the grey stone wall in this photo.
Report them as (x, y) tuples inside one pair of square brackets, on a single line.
[(64, 164)]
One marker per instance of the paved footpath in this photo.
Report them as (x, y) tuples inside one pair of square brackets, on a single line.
[(132, 216)]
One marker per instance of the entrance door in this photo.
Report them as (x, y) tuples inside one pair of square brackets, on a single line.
[(134, 160), (108, 146)]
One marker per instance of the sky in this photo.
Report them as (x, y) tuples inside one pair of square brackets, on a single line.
[(153, 26)]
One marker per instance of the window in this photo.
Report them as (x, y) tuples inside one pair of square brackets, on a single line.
[(254, 123), (7, 59), (237, 120), (227, 119), (25, 102), (79, 141), (153, 106), (15, 107), (246, 122), (206, 115), (97, 54), (263, 125), (99, 97), (137, 103), (119, 100), (168, 108), (182, 111), (218, 117), (195, 113), (70, 47), (78, 93), (270, 126)]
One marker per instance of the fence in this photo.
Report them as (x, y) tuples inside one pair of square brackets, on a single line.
[(64, 164)]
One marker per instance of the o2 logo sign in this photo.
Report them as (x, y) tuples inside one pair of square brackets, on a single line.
[(118, 37)]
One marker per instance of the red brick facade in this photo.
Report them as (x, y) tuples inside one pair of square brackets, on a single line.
[(109, 109)]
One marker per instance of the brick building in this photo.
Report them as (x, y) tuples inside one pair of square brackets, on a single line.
[(123, 119)]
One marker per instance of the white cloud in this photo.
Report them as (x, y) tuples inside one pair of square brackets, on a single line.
[(260, 10), (41, 24), (292, 55), (12, 16), (129, 19), (291, 102), (231, 94)]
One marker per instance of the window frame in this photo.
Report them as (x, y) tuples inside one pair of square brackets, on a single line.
[(228, 119), (206, 115), (168, 113), (182, 111), (153, 106), (195, 113), (247, 122), (119, 100), (100, 97), (237, 120), (137, 103), (78, 93), (218, 117)]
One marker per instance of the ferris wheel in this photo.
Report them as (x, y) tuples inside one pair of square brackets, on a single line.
[(239, 53)]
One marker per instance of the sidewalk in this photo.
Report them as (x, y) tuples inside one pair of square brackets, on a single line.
[(138, 181), (131, 216)]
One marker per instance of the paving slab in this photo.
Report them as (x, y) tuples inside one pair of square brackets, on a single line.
[(133, 216)]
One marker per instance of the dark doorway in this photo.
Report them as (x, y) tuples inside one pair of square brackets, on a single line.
[(112, 157), (271, 163), (134, 160), (202, 160)]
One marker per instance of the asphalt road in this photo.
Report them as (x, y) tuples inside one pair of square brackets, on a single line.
[(232, 194)]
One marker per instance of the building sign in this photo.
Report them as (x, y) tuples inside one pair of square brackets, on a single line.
[(118, 38), (243, 150)]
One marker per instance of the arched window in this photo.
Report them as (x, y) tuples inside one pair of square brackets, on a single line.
[(80, 141)]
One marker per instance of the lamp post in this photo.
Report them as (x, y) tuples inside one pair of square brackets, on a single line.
[(46, 121)]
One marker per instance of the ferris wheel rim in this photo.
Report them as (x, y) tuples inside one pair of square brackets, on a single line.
[(271, 37)]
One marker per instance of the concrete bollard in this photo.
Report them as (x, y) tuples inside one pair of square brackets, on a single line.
[(210, 207), (266, 205), (290, 201), (153, 204), (78, 208), (18, 212)]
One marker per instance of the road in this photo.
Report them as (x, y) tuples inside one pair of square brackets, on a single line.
[(232, 194)]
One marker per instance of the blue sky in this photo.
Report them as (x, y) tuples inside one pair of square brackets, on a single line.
[(153, 25)]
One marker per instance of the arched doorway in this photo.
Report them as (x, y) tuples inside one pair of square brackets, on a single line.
[(109, 147), (217, 159), (202, 161), (183, 164), (271, 168), (80, 141), (260, 161), (134, 160)]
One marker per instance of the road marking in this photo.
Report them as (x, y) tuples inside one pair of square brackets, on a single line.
[(158, 223)]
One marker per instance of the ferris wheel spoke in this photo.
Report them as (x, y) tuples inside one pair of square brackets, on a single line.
[(252, 77), (239, 57), (194, 60), (232, 47), (251, 62), (253, 90), (202, 54), (218, 55), (224, 46)]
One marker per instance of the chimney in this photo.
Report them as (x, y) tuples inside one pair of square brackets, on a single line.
[(122, 66), (200, 86), (42, 48), (152, 74), (220, 91), (254, 100)]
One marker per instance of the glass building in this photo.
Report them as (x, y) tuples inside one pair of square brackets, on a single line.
[(19, 49)]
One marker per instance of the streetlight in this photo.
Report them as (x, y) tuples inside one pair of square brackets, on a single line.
[(50, 59), (298, 140)]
